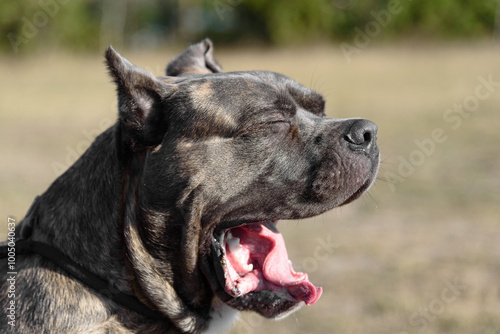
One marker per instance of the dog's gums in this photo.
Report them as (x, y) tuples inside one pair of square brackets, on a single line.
[(253, 257)]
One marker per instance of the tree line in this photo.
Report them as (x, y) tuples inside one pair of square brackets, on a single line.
[(93, 24)]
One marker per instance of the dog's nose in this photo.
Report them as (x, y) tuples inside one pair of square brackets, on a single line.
[(362, 136)]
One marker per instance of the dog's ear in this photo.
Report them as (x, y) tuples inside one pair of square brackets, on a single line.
[(197, 59), (142, 107)]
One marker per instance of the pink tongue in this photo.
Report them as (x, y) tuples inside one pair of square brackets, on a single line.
[(275, 266)]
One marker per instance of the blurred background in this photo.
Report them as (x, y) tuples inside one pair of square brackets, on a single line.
[(420, 253)]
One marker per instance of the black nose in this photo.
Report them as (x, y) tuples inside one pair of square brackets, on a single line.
[(362, 136)]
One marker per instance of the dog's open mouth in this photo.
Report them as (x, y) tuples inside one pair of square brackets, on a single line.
[(253, 258)]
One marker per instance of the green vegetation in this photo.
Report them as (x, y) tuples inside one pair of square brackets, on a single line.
[(297, 21), (84, 24)]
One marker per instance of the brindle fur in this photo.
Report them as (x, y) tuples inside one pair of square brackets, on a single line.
[(190, 151)]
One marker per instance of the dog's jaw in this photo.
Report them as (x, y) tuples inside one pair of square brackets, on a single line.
[(254, 278), (255, 259)]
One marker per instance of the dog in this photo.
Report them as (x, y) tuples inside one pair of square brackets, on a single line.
[(168, 222)]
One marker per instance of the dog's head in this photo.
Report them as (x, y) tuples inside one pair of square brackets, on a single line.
[(224, 156)]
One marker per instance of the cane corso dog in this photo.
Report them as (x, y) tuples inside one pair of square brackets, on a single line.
[(168, 222)]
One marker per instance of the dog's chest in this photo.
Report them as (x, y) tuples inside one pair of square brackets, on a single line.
[(222, 317)]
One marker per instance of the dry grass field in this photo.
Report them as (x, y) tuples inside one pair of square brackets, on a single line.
[(419, 254)]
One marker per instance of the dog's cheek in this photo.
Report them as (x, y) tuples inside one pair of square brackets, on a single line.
[(208, 168), (163, 180)]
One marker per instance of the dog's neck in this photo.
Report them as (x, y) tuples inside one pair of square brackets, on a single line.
[(79, 212), (91, 230)]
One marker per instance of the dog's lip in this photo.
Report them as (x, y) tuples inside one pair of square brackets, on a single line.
[(364, 187), (367, 184), (223, 226)]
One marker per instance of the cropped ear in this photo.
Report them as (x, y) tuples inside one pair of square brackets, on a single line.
[(142, 109), (197, 59)]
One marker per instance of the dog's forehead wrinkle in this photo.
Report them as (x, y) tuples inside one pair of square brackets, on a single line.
[(232, 102), (293, 91), (243, 79), (202, 92), (201, 115)]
